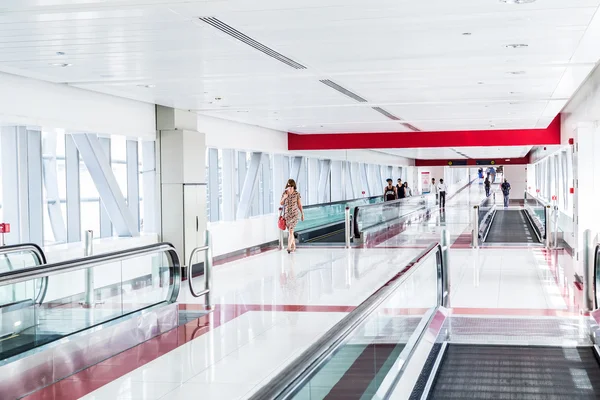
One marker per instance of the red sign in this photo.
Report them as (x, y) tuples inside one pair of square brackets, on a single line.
[(554, 198), (538, 190), (4, 228), (364, 192), (572, 190)]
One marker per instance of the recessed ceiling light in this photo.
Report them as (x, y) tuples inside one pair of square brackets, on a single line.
[(480, 83), (63, 65), (517, 45), (517, 72), (466, 33), (218, 98), (515, 92), (60, 53), (517, 1), (150, 86)]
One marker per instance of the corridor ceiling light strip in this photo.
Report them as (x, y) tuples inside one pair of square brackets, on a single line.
[(343, 90), (223, 27), (395, 118)]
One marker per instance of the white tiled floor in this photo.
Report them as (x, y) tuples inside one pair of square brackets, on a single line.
[(233, 360)]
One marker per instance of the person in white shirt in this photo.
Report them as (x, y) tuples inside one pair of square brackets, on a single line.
[(435, 190), (441, 188)]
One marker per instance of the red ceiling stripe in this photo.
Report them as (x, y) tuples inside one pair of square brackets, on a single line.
[(403, 140)]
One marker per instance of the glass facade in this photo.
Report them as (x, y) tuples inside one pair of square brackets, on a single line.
[(319, 181), (71, 202)]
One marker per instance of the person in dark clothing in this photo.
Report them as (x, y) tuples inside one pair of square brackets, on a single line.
[(400, 189), (389, 192), (506, 192), (488, 186)]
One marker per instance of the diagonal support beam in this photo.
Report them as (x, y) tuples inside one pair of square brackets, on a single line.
[(323, 178), (296, 167), (101, 172), (249, 187)]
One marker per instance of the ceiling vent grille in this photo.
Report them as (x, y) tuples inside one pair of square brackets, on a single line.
[(223, 27), (387, 114), (343, 90), (395, 118)]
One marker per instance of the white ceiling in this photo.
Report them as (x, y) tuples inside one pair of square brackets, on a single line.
[(460, 153), (408, 57)]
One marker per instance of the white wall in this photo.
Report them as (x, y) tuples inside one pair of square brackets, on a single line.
[(434, 172), (225, 134), (25, 101), (231, 236), (517, 177)]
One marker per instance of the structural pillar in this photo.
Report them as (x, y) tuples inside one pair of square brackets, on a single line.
[(182, 173), (586, 171)]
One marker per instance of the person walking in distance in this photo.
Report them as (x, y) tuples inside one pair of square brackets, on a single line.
[(400, 190), (389, 192), (442, 191), (407, 190), (488, 186), (292, 207), (506, 192), (435, 189)]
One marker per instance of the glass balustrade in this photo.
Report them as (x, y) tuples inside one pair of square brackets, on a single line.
[(81, 294), (331, 213)]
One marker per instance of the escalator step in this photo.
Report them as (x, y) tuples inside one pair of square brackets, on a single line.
[(516, 372)]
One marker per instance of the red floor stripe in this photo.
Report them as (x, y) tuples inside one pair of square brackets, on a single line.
[(92, 378)]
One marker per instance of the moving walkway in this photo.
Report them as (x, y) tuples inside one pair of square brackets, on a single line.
[(58, 318), (511, 225), (325, 223), (403, 342)]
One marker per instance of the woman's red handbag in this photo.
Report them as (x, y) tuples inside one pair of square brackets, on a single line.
[(281, 223)]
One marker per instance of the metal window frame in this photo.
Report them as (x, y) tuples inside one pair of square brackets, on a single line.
[(73, 194), (94, 156), (50, 179)]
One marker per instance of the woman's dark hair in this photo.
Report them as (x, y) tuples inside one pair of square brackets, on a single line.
[(291, 183)]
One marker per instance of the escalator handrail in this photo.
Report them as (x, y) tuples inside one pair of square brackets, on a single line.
[(355, 219), (287, 381), (340, 202), (42, 271), (40, 257)]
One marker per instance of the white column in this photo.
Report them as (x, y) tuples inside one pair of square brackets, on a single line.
[(586, 172), (183, 179)]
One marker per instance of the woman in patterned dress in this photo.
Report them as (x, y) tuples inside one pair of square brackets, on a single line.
[(292, 206)]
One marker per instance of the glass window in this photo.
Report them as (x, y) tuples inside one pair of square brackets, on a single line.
[(54, 186), (118, 160), (90, 200)]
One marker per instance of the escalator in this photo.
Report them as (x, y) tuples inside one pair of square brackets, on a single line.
[(67, 316), (414, 347), (325, 223), (514, 372), (511, 226)]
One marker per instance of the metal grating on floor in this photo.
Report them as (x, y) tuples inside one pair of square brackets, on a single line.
[(516, 372), (526, 331)]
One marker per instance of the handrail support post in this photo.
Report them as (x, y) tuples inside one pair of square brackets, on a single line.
[(208, 271), (88, 250), (347, 227), (589, 260), (475, 232), (444, 264), (547, 227)]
